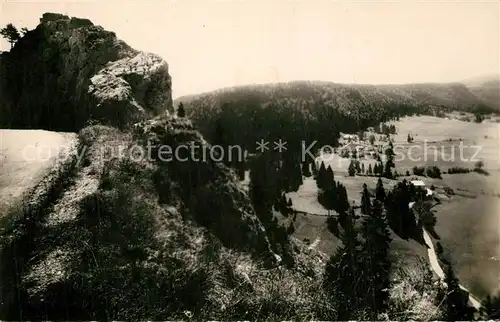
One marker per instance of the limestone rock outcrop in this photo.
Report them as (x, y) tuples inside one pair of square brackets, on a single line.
[(68, 71)]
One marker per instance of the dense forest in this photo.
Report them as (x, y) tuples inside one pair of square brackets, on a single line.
[(318, 110)]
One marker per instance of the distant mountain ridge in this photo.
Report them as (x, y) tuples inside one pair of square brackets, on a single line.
[(486, 88), (320, 109), (465, 95)]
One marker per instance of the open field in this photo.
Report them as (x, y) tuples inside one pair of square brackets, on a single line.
[(468, 222), (314, 229), (469, 227), (435, 134)]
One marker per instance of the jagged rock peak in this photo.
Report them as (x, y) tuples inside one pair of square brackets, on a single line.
[(77, 71)]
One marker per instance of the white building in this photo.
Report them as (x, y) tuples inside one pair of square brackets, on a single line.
[(418, 183)]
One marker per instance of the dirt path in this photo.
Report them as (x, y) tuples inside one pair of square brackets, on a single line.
[(26, 156)]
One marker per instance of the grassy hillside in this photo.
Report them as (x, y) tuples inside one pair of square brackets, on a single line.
[(123, 238)]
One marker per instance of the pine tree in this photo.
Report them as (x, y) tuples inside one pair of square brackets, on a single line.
[(181, 112), (342, 272), (315, 170), (11, 34), (306, 172), (491, 308), (375, 251), (352, 169), (241, 171), (387, 169), (380, 191), (457, 307), (365, 201), (362, 168), (330, 178), (370, 170), (320, 179)]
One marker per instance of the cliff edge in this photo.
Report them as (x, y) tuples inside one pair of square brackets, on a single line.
[(68, 71)]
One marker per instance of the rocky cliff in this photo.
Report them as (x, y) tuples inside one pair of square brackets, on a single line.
[(118, 232), (68, 71), (109, 234)]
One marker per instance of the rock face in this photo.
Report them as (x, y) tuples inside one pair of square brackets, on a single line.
[(68, 71)]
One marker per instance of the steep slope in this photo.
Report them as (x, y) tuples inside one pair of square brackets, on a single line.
[(486, 88), (67, 71), (110, 234), (129, 238)]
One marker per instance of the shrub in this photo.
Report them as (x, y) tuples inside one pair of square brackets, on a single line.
[(454, 170), (419, 171), (481, 171), (433, 172)]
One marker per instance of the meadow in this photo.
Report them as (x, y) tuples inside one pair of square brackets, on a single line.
[(468, 222)]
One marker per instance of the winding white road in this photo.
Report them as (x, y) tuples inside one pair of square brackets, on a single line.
[(439, 271)]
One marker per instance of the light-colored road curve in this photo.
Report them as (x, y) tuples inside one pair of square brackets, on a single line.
[(433, 260), (26, 156)]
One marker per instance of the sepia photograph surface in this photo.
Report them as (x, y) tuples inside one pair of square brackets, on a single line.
[(250, 160)]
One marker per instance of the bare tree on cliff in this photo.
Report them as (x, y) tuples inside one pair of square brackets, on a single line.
[(11, 34)]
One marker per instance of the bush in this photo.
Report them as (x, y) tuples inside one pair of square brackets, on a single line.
[(454, 170), (481, 171), (332, 225), (433, 172), (419, 171)]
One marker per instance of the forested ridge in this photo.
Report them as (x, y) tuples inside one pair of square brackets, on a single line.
[(319, 110)]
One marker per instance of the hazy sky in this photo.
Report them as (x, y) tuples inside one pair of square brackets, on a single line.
[(212, 44)]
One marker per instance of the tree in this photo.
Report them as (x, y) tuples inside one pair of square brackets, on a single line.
[(365, 201), (372, 139), (343, 270), (389, 152), (241, 171), (361, 135), (409, 139), (370, 170), (24, 31), (362, 168), (320, 178), (387, 170), (433, 172), (181, 112), (377, 265), (380, 191), (352, 169), (491, 308), (11, 34), (479, 118), (333, 225), (418, 171), (456, 301), (329, 178), (306, 172)]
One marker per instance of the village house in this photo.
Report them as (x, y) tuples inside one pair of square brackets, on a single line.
[(420, 185)]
